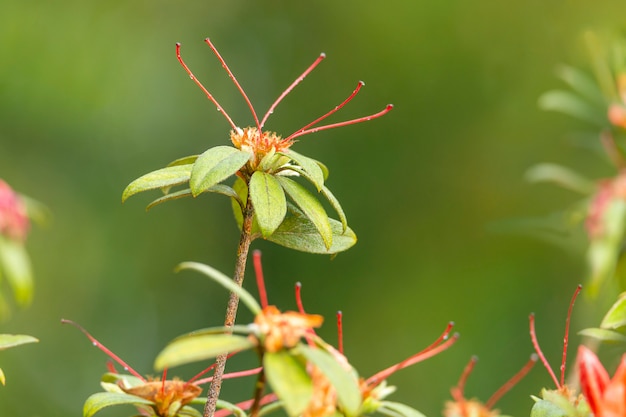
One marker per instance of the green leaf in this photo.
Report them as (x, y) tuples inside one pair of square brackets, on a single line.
[(543, 408), (218, 188), (268, 200), (225, 405), (3, 379), (335, 203), (311, 207), (604, 335), (164, 177), (11, 340), (187, 349), (168, 197), (187, 411), (15, 264), (560, 175), (186, 160), (237, 328), (616, 316), (310, 166), (398, 409), (344, 380), (97, 402), (225, 282), (572, 105), (299, 233), (289, 380), (582, 83), (214, 166)]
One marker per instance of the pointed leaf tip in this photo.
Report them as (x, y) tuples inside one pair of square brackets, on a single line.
[(165, 177), (214, 166)]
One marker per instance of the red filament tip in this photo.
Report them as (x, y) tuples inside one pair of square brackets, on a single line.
[(260, 282), (340, 331), (511, 382), (199, 84), (232, 77), (566, 336), (533, 338), (291, 87), (303, 132), (105, 349)]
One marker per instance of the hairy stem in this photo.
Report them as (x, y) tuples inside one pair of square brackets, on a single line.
[(233, 302)]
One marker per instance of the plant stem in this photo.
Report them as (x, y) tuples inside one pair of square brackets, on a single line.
[(233, 302), (259, 387)]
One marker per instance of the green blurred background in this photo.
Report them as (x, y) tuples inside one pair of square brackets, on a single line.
[(91, 97)]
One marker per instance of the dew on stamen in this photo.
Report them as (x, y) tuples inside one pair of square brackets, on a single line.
[(94, 343)]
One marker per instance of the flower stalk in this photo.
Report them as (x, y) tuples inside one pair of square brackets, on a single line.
[(233, 303)]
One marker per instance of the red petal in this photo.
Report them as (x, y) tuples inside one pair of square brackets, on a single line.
[(593, 378), (614, 398)]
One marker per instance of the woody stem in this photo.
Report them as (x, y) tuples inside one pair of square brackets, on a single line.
[(233, 302)]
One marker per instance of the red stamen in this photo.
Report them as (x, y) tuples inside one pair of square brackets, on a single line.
[(302, 132), (231, 375), (291, 87), (511, 382), (232, 77), (163, 378), (103, 348), (208, 368), (533, 338), (458, 392), (299, 298), (319, 119), (418, 357), (111, 367), (310, 332), (209, 95), (441, 338), (340, 331), (260, 282), (566, 337)]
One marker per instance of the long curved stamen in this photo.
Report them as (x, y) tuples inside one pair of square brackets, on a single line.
[(260, 282), (105, 349), (346, 101), (207, 369), (340, 331), (459, 391), (163, 377), (291, 87), (533, 338), (310, 332), (340, 124), (231, 375), (299, 298), (232, 77), (511, 382), (418, 357), (566, 336), (209, 95)]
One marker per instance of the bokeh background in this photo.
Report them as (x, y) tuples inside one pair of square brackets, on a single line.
[(91, 97)]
